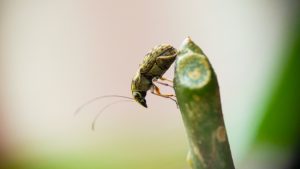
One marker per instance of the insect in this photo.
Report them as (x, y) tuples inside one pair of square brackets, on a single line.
[(155, 64)]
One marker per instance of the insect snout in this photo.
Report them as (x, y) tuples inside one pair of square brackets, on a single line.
[(139, 96)]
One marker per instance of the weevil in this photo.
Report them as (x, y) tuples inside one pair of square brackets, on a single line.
[(154, 65)]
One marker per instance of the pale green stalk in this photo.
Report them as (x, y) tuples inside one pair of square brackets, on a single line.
[(198, 96)]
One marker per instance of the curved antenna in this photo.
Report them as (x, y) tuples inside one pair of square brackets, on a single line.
[(98, 98), (104, 108)]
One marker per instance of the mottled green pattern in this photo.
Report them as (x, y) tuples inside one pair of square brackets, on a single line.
[(195, 70), (198, 96)]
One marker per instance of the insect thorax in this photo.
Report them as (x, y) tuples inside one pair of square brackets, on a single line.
[(141, 83)]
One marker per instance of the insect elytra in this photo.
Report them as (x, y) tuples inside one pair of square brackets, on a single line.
[(154, 65)]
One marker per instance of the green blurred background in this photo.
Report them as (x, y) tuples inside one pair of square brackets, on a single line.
[(55, 55)]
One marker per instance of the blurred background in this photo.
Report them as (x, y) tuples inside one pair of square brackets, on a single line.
[(55, 55)]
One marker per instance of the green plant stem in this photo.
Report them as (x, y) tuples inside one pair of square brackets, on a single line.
[(197, 93)]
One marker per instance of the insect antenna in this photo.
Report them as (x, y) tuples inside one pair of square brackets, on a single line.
[(96, 99), (104, 108)]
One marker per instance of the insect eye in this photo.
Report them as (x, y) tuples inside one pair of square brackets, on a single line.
[(136, 94)]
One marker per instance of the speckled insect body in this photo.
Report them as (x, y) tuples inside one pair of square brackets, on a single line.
[(154, 65)]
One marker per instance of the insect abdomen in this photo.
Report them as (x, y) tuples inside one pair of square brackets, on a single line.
[(158, 61)]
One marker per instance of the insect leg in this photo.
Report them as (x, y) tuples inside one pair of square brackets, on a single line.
[(155, 90), (165, 84), (163, 78)]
